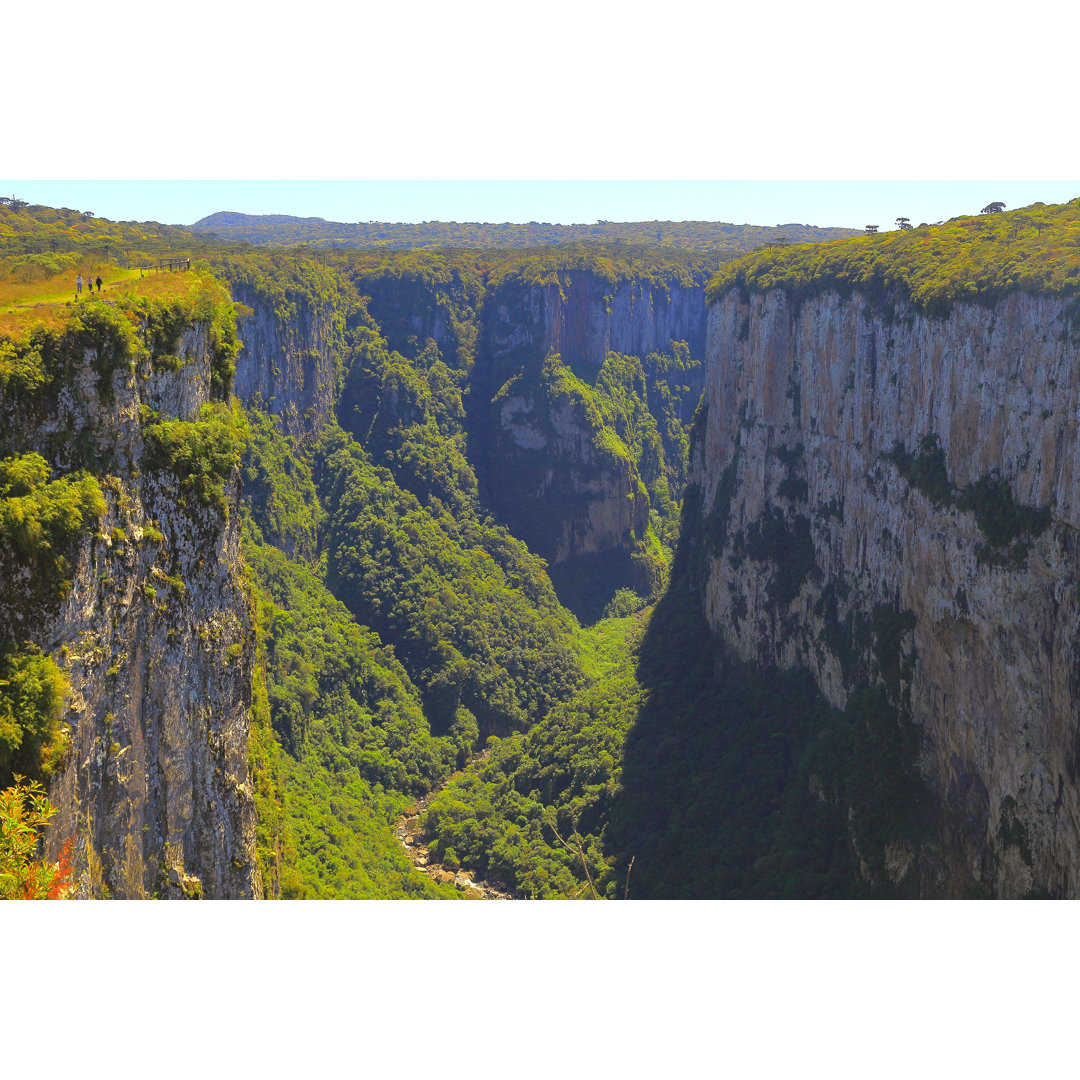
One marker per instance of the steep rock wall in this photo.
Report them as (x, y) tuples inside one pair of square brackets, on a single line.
[(807, 405), (585, 317), (287, 364), (569, 497), (156, 638), (412, 309)]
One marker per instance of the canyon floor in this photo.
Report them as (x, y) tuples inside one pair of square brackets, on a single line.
[(471, 886)]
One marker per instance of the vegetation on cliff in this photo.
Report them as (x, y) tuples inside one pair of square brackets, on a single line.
[(470, 610), (24, 813), (1009, 527), (564, 444), (339, 743), (296, 289), (608, 264), (142, 319), (40, 522), (1034, 250)]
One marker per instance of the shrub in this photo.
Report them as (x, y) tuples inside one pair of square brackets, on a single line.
[(32, 690), (203, 453), (40, 520)]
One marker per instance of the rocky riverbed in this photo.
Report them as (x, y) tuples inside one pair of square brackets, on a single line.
[(471, 886)]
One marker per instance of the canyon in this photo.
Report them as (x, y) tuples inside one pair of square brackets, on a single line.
[(790, 560)]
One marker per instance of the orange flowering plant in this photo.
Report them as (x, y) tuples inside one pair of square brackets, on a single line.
[(24, 812)]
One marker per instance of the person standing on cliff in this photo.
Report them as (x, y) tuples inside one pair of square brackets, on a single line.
[(78, 286)]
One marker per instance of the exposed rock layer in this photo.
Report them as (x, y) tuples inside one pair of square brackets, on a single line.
[(804, 403), (595, 499), (540, 457), (564, 494)]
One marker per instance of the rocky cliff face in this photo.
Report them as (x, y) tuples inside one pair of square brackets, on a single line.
[(550, 472), (567, 493), (584, 317), (411, 309), (155, 635), (287, 363), (872, 480)]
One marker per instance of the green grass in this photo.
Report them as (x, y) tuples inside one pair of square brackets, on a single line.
[(61, 288)]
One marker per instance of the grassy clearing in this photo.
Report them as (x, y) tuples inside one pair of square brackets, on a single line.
[(59, 288), (51, 302), (606, 646)]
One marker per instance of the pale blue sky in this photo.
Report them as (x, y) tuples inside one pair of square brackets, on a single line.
[(852, 203)]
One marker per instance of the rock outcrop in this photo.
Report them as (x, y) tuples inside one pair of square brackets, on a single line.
[(566, 490), (288, 362), (155, 634), (565, 484), (870, 472)]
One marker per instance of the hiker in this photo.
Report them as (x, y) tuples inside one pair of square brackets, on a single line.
[(98, 283), (78, 286)]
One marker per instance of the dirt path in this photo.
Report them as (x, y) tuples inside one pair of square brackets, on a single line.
[(472, 886)]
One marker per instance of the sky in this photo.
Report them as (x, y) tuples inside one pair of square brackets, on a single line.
[(577, 111), (772, 202)]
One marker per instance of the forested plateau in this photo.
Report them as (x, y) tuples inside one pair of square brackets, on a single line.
[(652, 571)]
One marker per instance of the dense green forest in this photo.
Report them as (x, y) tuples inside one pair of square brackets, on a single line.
[(285, 231), (36, 241)]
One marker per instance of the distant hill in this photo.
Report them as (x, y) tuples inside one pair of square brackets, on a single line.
[(281, 229)]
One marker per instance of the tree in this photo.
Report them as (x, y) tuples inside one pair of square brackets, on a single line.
[(993, 208), (903, 222), (871, 229)]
